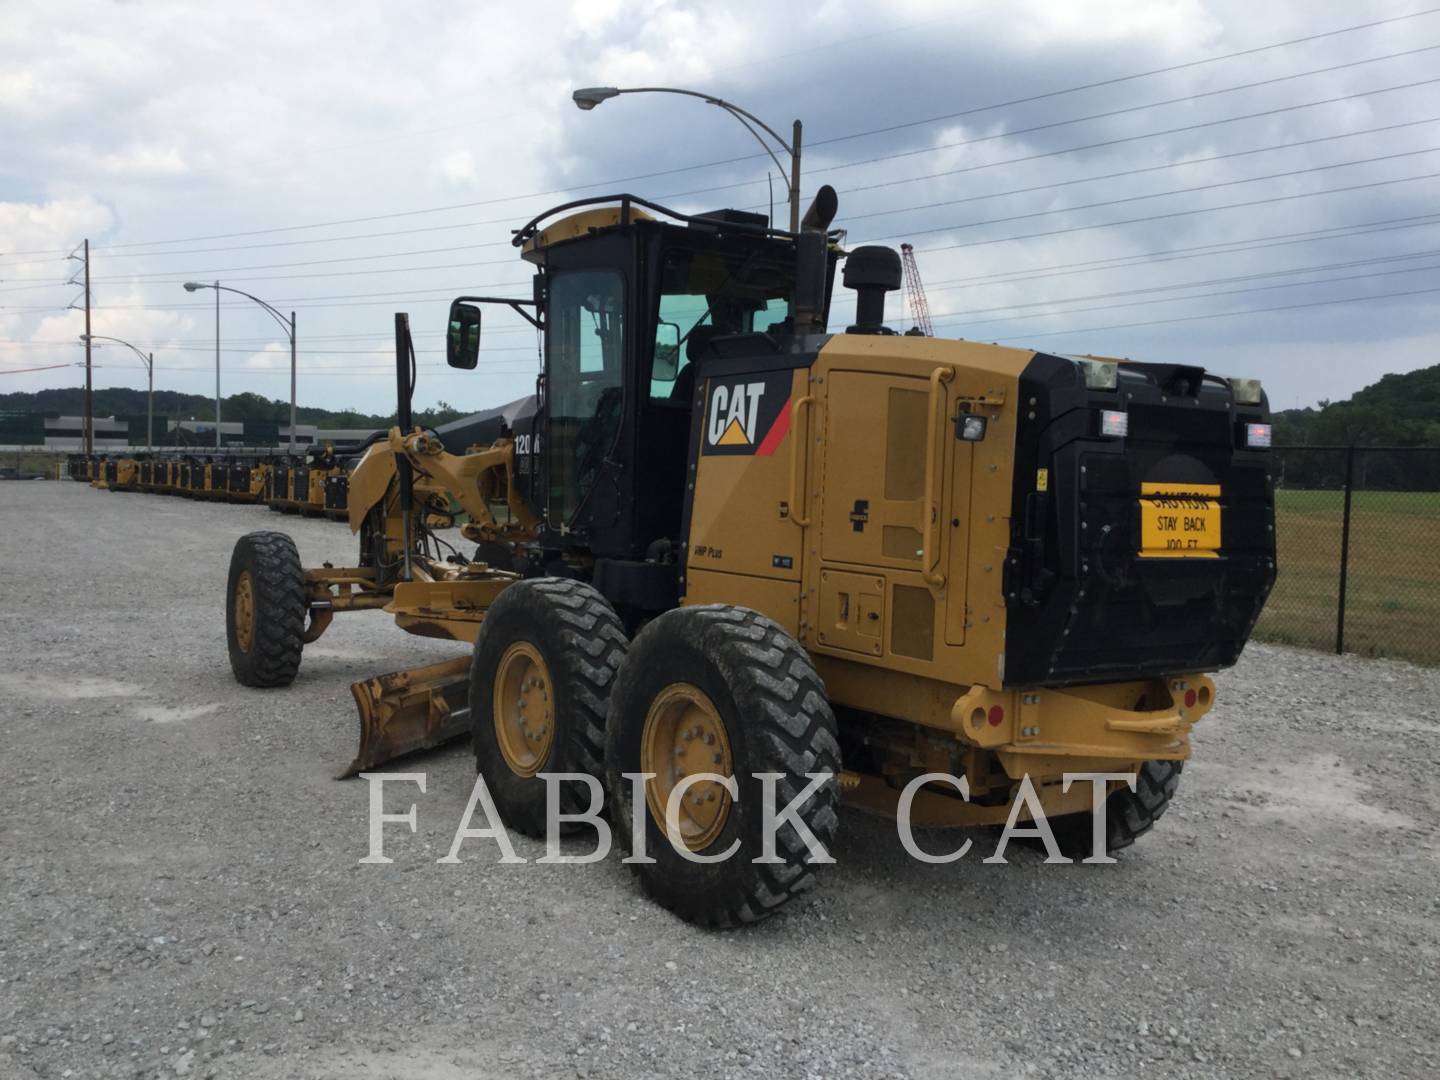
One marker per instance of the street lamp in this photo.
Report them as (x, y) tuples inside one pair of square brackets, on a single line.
[(149, 359), (590, 96), (287, 324)]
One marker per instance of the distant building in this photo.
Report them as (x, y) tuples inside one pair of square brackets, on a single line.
[(112, 434), (68, 433)]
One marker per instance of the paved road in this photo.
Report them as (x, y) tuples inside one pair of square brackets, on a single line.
[(181, 892)]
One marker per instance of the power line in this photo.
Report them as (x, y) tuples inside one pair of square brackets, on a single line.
[(862, 134), (1129, 262), (1184, 299), (1233, 314), (1161, 168), (1138, 75), (380, 349), (1101, 116), (1238, 246), (1163, 217), (197, 346), (47, 367), (1259, 275), (509, 261), (1155, 194), (870, 187), (1227, 247), (363, 258), (1164, 255)]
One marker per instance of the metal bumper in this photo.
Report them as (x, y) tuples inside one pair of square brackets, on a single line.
[(1078, 728)]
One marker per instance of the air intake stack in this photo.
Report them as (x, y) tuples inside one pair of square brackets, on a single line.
[(871, 271)]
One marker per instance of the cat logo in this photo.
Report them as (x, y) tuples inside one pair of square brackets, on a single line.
[(747, 414)]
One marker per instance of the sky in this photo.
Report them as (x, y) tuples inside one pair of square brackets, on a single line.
[(1252, 187)]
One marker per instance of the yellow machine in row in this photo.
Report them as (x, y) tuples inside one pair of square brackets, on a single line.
[(727, 542)]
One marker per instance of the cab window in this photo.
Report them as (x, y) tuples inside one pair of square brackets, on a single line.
[(705, 293), (585, 325)]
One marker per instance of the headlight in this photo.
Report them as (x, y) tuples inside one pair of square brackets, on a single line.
[(1099, 375), (1114, 423), (970, 427), (1246, 391)]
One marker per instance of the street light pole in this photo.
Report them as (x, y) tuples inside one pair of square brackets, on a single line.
[(587, 98), (149, 361), (217, 365), (292, 382), (287, 324)]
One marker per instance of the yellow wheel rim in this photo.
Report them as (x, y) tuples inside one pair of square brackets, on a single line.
[(524, 707), (244, 611), (684, 735)]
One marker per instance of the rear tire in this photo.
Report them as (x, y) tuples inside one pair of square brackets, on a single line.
[(545, 661), (265, 609), (736, 666), (1129, 815)]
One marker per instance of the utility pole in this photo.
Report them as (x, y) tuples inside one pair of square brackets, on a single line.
[(89, 422)]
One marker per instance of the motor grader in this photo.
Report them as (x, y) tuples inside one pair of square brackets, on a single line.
[(728, 541)]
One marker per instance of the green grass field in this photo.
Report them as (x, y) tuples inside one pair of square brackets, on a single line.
[(1393, 595)]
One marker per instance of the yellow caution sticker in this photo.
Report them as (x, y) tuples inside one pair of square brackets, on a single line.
[(1179, 521)]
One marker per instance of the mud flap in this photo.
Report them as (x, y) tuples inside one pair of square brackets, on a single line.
[(410, 710)]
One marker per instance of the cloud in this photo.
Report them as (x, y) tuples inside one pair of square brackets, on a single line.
[(132, 124), (148, 160)]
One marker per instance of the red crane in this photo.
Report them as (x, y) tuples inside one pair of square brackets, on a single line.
[(915, 292)]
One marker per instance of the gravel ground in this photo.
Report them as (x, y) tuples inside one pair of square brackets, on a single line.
[(182, 893)]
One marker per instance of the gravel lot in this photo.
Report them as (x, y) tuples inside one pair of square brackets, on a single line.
[(180, 890)]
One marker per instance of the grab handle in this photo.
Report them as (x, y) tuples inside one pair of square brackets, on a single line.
[(797, 444), (934, 474)]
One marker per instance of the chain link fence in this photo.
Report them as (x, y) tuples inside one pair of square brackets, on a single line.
[(1358, 538)]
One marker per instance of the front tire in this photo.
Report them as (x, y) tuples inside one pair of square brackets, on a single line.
[(545, 661), (725, 690), (265, 609)]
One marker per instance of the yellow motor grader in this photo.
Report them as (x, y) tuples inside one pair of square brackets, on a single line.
[(728, 542)]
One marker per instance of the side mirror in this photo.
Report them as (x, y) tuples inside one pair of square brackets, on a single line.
[(462, 340), (667, 353)]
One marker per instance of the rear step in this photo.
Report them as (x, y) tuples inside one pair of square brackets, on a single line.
[(407, 711)]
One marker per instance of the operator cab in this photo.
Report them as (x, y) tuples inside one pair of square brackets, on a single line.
[(630, 299)]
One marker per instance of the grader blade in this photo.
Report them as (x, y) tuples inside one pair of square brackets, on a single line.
[(410, 710)]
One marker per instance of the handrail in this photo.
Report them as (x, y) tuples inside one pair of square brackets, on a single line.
[(934, 474), (531, 227), (797, 447)]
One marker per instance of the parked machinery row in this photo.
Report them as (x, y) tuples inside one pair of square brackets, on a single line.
[(315, 483)]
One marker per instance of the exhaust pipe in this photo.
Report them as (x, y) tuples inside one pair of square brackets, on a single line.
[(812, 262)]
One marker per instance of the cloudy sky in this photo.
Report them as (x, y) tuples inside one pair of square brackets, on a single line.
[(1249, 186)]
